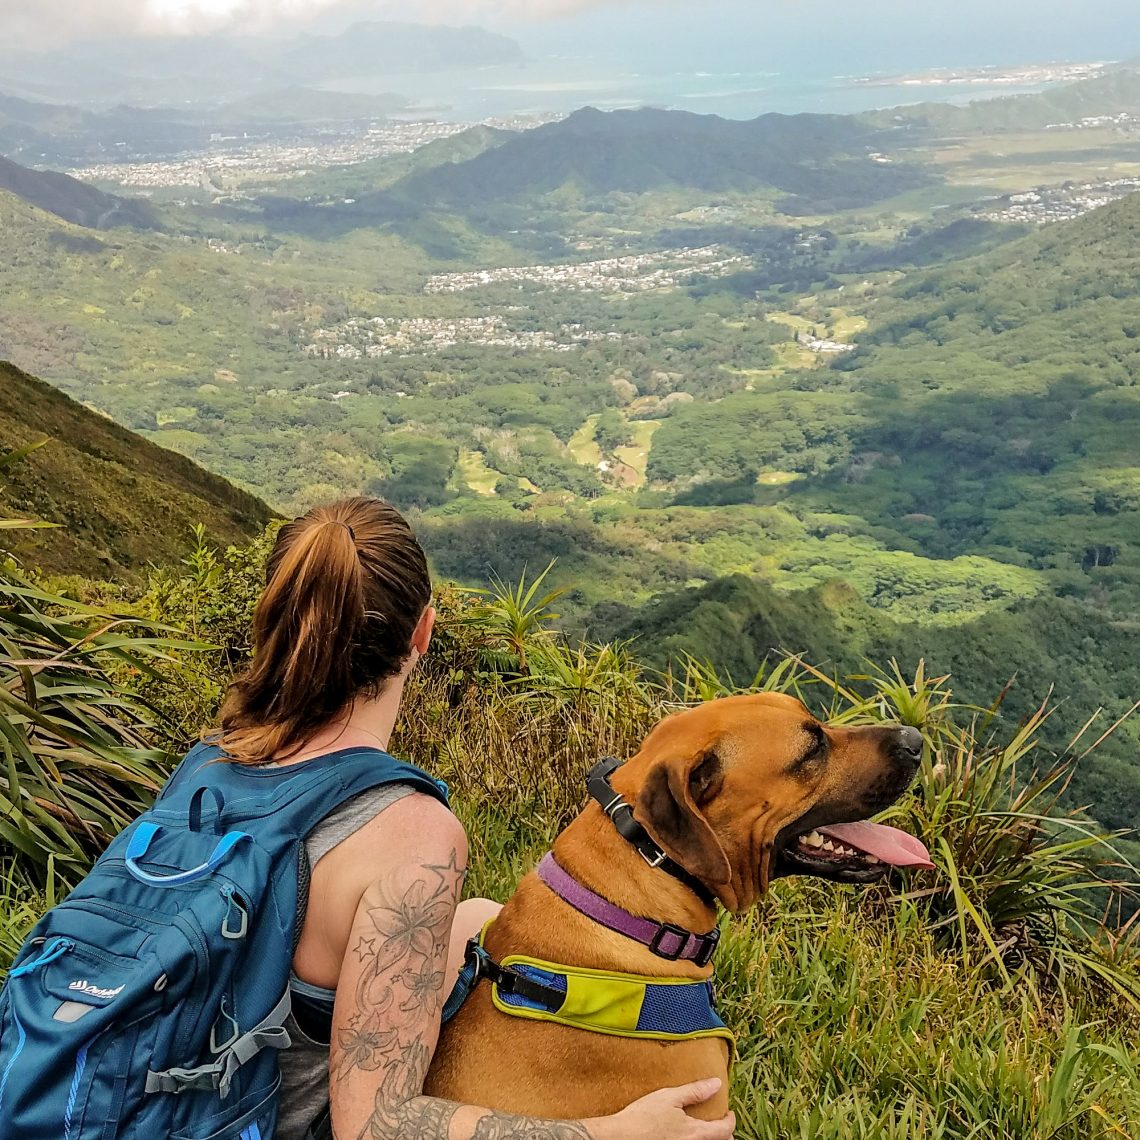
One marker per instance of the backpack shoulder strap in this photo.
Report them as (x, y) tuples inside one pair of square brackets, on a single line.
[(289, 802), (302, 803)]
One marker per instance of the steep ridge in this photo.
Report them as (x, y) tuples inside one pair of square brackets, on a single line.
[(822, 161), (72, 200), (124, 502)]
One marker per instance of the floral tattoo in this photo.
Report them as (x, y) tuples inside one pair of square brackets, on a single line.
[(395, 1014)]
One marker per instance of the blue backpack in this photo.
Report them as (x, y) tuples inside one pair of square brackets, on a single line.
[(151, 1003)]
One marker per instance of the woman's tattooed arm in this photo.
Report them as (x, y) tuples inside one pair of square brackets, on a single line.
[(428, 1119), (388, 1006)]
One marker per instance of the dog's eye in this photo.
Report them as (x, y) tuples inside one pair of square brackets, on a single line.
[(816, 750)]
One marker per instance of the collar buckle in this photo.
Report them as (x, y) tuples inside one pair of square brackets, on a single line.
[(709, 944), (620, 813), (668, 930)]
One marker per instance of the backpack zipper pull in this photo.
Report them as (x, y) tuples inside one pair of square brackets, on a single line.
[(51, 952)]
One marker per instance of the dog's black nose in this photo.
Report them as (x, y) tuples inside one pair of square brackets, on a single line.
[(909, 742)]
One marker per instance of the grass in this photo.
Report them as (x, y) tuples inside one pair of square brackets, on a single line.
[(476, 474), (636, 455), (582, 445), (982, 999), (1036, 158)]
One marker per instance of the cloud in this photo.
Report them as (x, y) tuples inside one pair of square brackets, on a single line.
[(32, 24)]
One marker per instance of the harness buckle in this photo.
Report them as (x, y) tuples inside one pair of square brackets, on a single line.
[(664, 931), (481, 961)]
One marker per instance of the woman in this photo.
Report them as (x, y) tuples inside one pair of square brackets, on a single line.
[(345, 616)]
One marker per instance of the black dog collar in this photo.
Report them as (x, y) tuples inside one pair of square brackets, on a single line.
[(620, 814)]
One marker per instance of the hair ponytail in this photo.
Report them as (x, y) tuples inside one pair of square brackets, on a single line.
[(346, 586)]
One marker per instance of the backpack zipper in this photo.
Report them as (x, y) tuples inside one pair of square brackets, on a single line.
[(51, 952)]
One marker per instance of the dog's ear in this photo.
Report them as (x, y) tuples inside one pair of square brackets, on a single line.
[(669, 806)]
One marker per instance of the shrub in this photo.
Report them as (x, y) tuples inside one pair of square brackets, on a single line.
[(79, 758)]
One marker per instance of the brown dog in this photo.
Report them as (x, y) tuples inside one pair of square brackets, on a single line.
[(733, 792)]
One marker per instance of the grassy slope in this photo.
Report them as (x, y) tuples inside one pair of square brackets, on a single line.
[(125, 501)]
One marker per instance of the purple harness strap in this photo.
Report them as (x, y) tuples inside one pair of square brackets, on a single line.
[(673, 943)]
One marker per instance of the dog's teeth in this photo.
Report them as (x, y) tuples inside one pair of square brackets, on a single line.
[(827, 845), (873, 859), (814, 839)]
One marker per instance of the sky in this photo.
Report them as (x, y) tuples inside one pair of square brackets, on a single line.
[(1002, 31)]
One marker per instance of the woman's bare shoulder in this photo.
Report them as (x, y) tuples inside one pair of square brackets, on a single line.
[(417, 837), (410, 833)]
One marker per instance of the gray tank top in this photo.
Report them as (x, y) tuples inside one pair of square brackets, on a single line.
[(305, 1064)]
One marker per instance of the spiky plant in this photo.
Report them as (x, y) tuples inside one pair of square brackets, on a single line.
[(1022, 878), (77, 759), (514, 619)]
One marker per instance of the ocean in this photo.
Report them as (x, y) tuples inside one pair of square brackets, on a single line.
[(560, 86), (743, 58)]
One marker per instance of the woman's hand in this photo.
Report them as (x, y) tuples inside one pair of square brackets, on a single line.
[(661, 1116)]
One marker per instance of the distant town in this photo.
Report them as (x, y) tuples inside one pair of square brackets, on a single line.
[(371, 337), (632, 274), (1037, 75), (1061, 203), (232, 160)]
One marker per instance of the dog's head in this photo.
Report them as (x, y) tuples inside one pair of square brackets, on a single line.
[(744, 789)]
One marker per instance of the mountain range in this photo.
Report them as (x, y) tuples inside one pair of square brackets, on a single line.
[(207, 70), (816, 163)]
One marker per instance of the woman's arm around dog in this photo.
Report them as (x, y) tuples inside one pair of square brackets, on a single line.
[(390, 996)]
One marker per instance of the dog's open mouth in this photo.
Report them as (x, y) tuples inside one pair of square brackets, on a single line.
[(853, 852)]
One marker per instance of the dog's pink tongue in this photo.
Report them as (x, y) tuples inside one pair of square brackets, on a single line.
[(886, 843)]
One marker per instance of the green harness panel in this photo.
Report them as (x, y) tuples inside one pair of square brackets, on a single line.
[(598, 1001)]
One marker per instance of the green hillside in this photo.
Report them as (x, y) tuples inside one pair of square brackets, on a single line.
[(1114, 92), (1009, 386), (122, 503), (817, 163), (989, 410), (1035, 649)]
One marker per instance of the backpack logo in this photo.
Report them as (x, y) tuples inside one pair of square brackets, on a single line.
[(85, 987)]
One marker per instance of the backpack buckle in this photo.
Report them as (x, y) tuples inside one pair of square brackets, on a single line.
[(234, 903)]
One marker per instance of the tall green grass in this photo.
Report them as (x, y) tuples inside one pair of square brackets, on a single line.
[(78, 755), (986, 998)]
